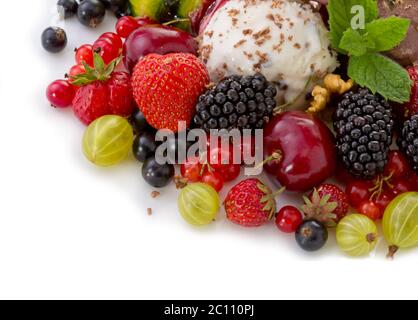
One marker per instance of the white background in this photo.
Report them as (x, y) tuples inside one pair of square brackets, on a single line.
[(71, 230)]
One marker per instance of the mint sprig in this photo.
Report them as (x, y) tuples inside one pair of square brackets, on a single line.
[(367, 66)]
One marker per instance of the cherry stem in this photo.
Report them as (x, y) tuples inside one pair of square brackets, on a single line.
[(175, 21), (275, 156)]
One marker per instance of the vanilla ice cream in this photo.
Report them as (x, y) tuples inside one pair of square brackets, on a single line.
[(284, 40)]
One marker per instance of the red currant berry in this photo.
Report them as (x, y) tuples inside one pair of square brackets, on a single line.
[(221, 160), (84, 53), (288, 219), (370, 209), (126, 25), (60, 93), (383, 200), (397, 166), (75, 71), (214, 179), (192, 169), (106, 49), (357, 192), (113, 37)]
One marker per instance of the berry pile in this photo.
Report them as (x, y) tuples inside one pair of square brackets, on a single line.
[(142, 89)]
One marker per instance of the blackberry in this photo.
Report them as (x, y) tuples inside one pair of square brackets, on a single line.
[(243, 102), (364, 127), (408, 141)]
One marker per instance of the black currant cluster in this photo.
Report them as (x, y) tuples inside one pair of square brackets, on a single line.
[(144, 148), (364, 126), (90, 13), (243, 102), (408, 141)]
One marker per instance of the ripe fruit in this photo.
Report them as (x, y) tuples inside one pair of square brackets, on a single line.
[(357, 235), (108, 46), (357, 191), (383, 200), (102, 91), (299, 150), (363, 123), (191, 169), (75, 71), (222, 161), (157, 175), (166, 88), (139, 123), (156, 39), (400, 222), (236, 102), (288, 219), (214, 179), (411, 107), (370, 209), (144, 146), (397, 166), (337, 196), (67, 8), (125, 26), (198, 204), (311, 235), (60, 93), (408, 141), (84, 53), (250, 203), (108, 140), (91, 13), (54, 39), (154, 9)]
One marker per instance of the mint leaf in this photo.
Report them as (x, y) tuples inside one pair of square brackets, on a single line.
[(382, 75), (387, 33), (353, 42), (340, 17)]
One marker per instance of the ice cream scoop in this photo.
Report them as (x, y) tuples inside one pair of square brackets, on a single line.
[(284, 40)]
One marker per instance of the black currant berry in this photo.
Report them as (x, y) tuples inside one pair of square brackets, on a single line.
[(311, 235), (67, 8), (91, 13), (139, 123), (54, 39), (157, 175), (144, 146)]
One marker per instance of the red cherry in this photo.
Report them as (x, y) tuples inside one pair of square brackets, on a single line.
[(357, 192), (397, 165), (76, 70), (214, 179), (60, 93), (288, 219), (370, 209), (383, 200), (125, 26), (191, 169), (401, 186), (106, 49), (84, 53), (145, 21), (113, 37)]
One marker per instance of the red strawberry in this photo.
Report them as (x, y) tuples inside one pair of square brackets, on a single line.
[(250, 203), (166, 88), (101, 92), (336, 195)]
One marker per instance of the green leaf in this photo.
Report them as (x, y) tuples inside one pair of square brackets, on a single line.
[(382, 75), (340, 17), (354, 43), (387, 33), (99, 64)]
